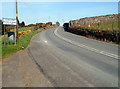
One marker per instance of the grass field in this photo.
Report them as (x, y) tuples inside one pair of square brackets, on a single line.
[(22, 43), (24, 28), (106, 26)]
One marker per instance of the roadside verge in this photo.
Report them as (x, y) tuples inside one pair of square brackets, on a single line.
[(19, 70), (22, 43)]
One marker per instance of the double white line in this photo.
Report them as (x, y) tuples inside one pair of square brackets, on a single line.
[(86, 47)]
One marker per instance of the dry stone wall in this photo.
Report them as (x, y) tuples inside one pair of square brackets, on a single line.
[(79, 27), (94, 20)]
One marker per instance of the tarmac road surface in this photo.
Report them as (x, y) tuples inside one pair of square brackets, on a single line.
[(69, 60)]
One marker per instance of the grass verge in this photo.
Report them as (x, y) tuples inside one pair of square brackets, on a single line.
[(22, 43)]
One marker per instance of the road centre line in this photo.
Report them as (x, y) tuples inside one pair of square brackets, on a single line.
[(86, 47)]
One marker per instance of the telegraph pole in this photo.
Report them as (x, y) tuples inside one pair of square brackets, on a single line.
[(17, 17), (16, 29)]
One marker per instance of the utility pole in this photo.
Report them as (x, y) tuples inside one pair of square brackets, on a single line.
[(17, 17), (16, 29)]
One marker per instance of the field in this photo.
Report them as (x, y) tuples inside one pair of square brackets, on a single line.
[(24, 28), (106, 26), (22, 42)]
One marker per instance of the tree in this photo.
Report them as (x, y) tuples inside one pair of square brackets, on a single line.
[(57, 23), (22, 24)]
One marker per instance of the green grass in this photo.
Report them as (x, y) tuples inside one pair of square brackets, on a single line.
[(22, 43), (23, 29), (106, 26)]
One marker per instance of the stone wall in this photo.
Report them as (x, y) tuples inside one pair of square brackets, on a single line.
[(94, 20), (81, 27)]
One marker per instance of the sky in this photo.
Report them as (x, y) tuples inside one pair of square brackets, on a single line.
[(37, 12)]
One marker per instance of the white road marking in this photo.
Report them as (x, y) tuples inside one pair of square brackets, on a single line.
[(86, 47), (45, 41)]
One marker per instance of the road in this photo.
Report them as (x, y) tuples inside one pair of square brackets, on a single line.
[(69, 60)]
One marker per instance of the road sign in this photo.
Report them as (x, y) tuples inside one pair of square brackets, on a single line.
[(9, 21), (11, 35)]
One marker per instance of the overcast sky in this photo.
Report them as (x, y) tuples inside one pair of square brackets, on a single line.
[(36, 12)]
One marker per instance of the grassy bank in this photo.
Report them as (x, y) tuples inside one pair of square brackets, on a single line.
[(23, 29), (106, 26), (22, 43)]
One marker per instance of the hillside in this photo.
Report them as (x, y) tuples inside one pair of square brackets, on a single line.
[(106, 22)]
